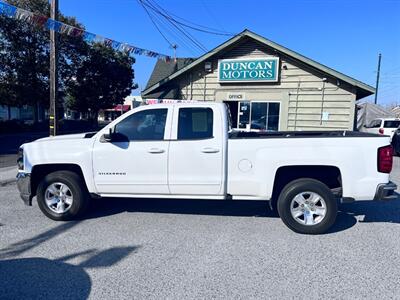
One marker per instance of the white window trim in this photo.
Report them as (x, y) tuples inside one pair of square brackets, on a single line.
[(258, 101)]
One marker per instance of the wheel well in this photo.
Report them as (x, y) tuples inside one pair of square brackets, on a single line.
[(328, 175), (40, 171)]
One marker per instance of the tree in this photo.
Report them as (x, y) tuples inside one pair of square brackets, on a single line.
[(24, 57), (103, 79)]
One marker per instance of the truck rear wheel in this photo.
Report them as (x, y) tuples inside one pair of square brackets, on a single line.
[(307, 206), (62, 196)]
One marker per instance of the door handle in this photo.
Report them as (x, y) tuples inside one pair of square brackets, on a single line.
[(155, 150), (209, 150)]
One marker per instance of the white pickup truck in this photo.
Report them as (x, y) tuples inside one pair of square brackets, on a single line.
[(188, 151)]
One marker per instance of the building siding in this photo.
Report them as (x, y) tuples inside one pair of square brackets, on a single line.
[(303, 94)]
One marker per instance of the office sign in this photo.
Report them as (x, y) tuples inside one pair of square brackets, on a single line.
[(248, 70), (236, 96)]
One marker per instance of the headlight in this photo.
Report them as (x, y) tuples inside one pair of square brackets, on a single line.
[(20, 159)]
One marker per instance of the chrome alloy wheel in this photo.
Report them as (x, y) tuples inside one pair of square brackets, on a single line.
[(308, 208), (58, 197)]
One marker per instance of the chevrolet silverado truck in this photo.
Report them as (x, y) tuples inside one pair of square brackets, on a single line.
[(189, 151)]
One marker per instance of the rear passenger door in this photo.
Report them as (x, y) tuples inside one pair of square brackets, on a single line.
[(196, 152)]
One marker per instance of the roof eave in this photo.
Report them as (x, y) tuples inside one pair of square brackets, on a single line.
[(192, 64), (365, 88)]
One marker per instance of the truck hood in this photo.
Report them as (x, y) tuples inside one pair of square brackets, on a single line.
[(76, 136)]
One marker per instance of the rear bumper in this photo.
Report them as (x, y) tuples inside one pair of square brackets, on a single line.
[(24, 187), (386, 191)]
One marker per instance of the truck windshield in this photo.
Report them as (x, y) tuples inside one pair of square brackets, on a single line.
[(391, 124)]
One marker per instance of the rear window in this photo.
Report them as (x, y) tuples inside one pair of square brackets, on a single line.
[(195, 123), (374, 124), (391, 124)]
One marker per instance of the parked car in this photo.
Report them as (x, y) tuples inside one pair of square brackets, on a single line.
[(189, 151), (384, 126)]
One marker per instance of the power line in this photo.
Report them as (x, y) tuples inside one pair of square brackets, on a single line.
[(192, 27), (202, 28), (211, 14), (154, 23), (175, 24), (181, 41), (162, 23)]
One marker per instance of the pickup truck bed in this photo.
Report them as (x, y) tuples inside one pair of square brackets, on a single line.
[(299, 134)]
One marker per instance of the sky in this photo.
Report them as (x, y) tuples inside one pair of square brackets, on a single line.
[(346, 35)]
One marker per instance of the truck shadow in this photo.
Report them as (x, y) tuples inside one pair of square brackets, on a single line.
[(237, 208), (20, 247), (42, 278), (372, 211)]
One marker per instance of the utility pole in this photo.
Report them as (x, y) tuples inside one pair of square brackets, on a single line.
[(174, 46), (53, 70), (377, 78)]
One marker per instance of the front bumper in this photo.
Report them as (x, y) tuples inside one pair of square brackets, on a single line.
[(386, 191), (24, 187)]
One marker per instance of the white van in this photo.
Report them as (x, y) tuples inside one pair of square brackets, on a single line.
[(384, 126)]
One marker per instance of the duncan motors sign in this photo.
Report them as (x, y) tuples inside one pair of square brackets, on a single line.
[(248, 70)]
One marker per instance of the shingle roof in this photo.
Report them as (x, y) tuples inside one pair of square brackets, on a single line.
[(163, 69)]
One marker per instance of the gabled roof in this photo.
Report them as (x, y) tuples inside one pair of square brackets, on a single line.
[(163, 69), (363, 89)]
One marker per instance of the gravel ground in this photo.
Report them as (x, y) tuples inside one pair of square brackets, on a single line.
[(151, 249)]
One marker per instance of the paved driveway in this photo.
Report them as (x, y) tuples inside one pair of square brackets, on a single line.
[(156, 249)]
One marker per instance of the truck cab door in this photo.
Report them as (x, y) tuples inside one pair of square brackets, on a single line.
[(197, 151), (134, 161)]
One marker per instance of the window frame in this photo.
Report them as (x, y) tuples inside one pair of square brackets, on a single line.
[(194, 139), (236, 126), (376, 123), (146, 109)]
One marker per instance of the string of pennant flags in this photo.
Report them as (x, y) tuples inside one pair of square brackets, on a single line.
[(62, 28)]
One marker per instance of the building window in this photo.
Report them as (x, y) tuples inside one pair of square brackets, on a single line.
[(252, 115), (195, 123), (265, 116)]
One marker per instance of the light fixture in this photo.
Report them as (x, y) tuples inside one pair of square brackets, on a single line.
[(208, 66)]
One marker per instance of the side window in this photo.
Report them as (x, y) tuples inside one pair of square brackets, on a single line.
[(145, 125), (195, 123), (375, 124)]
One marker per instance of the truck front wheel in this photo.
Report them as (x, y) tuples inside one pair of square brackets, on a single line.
[(307, 206), (62, 196)]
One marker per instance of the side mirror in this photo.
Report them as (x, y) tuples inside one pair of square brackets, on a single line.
[(107, 137)]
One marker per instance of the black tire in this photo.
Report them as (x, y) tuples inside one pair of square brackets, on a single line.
[(305, 185), (77, 188)]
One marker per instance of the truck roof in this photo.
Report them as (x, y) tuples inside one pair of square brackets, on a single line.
[(186, 103)]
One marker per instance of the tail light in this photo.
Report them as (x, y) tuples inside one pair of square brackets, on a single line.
[(381, 131), (385, 159)]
